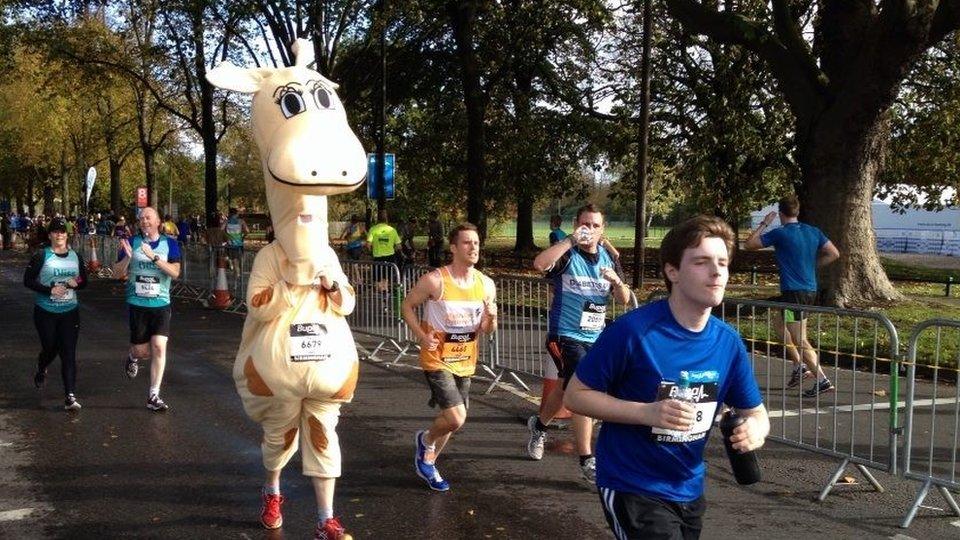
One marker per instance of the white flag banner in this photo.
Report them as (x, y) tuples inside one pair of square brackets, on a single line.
[(91, 178)]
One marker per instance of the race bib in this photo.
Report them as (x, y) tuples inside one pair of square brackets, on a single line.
[(592, 318), (69, 296), (458, 347), (704, 386), (147, 286), (308, 342)]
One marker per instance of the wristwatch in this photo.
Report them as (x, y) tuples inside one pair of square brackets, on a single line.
[(156, 258), (334, 287)]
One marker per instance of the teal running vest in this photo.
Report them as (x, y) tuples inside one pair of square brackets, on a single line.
[(234, 230), (56, 270), (580, 294), (147, 285)]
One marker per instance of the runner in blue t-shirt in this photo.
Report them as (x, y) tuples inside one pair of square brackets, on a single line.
[(650, 468), (149, 260), (800, 249), (583, 274), (556, 233)]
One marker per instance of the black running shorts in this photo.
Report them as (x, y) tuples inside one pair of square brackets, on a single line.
[(148, 322), (636, 517)]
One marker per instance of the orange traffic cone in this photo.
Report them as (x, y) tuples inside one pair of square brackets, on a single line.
[(93, 265), (550, 381), (221, 293)]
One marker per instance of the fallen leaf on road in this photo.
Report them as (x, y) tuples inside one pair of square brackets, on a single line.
[(880, 393), (848, 480), (470, 512)]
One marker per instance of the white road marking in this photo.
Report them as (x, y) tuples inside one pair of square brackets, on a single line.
[(862, 407), (16, 515)]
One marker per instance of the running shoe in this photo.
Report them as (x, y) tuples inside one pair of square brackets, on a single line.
[(39, 378), (132, 367), (537, 438), (156, 404), (71, 403), (427, 471), (330, 529), (798, 375), (270, 516), (823, 386), (589, 470)]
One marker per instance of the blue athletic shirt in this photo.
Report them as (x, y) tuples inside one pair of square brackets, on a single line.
[(147, 285), (579, 307), (797, 245), (557, 235), (58, 270), (639, 358)]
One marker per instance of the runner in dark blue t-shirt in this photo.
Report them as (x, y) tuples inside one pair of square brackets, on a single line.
[(650, 468), (800, 249)]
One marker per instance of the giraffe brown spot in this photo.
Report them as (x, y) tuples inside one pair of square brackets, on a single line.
[(346, 391), (263, 297), (288, 438), (317, 437), (255, 382)]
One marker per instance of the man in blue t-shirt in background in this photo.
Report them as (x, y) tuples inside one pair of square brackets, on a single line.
[(650, 468), (800, 249)]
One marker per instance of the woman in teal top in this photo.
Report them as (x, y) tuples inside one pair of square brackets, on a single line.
[(55, 273)]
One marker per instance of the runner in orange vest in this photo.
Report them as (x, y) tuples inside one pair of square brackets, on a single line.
[(460, 303)]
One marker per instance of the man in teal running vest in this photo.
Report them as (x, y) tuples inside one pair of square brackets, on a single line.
[(150, 261)]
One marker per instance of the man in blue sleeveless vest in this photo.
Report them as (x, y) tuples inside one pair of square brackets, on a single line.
[(55, 272), (150, 260), (584, 275)]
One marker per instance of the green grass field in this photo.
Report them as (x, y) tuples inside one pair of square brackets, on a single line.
[(503, 234)]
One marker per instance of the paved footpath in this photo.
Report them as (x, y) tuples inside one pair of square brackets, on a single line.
[(116, 469)]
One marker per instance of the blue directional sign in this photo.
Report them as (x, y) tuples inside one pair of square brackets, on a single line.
[(373, 179)]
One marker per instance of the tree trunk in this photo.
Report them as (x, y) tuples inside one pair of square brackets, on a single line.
[(48, 206), (31, 202), (463, 22), (116, 201), (839, 166), (525, 242), (149, 156), (210, 178)]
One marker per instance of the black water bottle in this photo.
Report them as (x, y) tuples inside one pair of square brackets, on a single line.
[(745, 465)]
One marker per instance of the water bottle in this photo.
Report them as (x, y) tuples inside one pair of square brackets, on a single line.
[(684, 392), (583, 235), (745, 465)]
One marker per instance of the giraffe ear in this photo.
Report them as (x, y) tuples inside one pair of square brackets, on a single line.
[(231, 77)]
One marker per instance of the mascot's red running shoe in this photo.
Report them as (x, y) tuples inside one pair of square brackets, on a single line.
[(270, 516), (331, 529)]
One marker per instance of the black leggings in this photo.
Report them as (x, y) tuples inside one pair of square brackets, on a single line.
[(58, 336)]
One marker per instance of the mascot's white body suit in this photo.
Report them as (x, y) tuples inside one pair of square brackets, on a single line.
[(297, 360)]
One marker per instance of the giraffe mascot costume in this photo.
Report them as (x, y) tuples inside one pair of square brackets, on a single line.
[(297, 360)]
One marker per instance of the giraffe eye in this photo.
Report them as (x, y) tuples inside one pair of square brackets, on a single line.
[(322, 97), (291, 104)]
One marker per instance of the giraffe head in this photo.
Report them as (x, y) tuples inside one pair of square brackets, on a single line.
[(307, 149)]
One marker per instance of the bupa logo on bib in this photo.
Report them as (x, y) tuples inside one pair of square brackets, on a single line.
[(704, 387)]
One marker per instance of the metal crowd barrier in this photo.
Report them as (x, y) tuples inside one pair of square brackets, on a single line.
[(858, 351), (931, 436), (379, 291), (519, 342)]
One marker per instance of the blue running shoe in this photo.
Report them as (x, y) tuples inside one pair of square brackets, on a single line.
[(427, 471)]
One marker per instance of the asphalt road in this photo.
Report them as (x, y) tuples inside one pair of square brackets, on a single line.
[(116, 469)]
